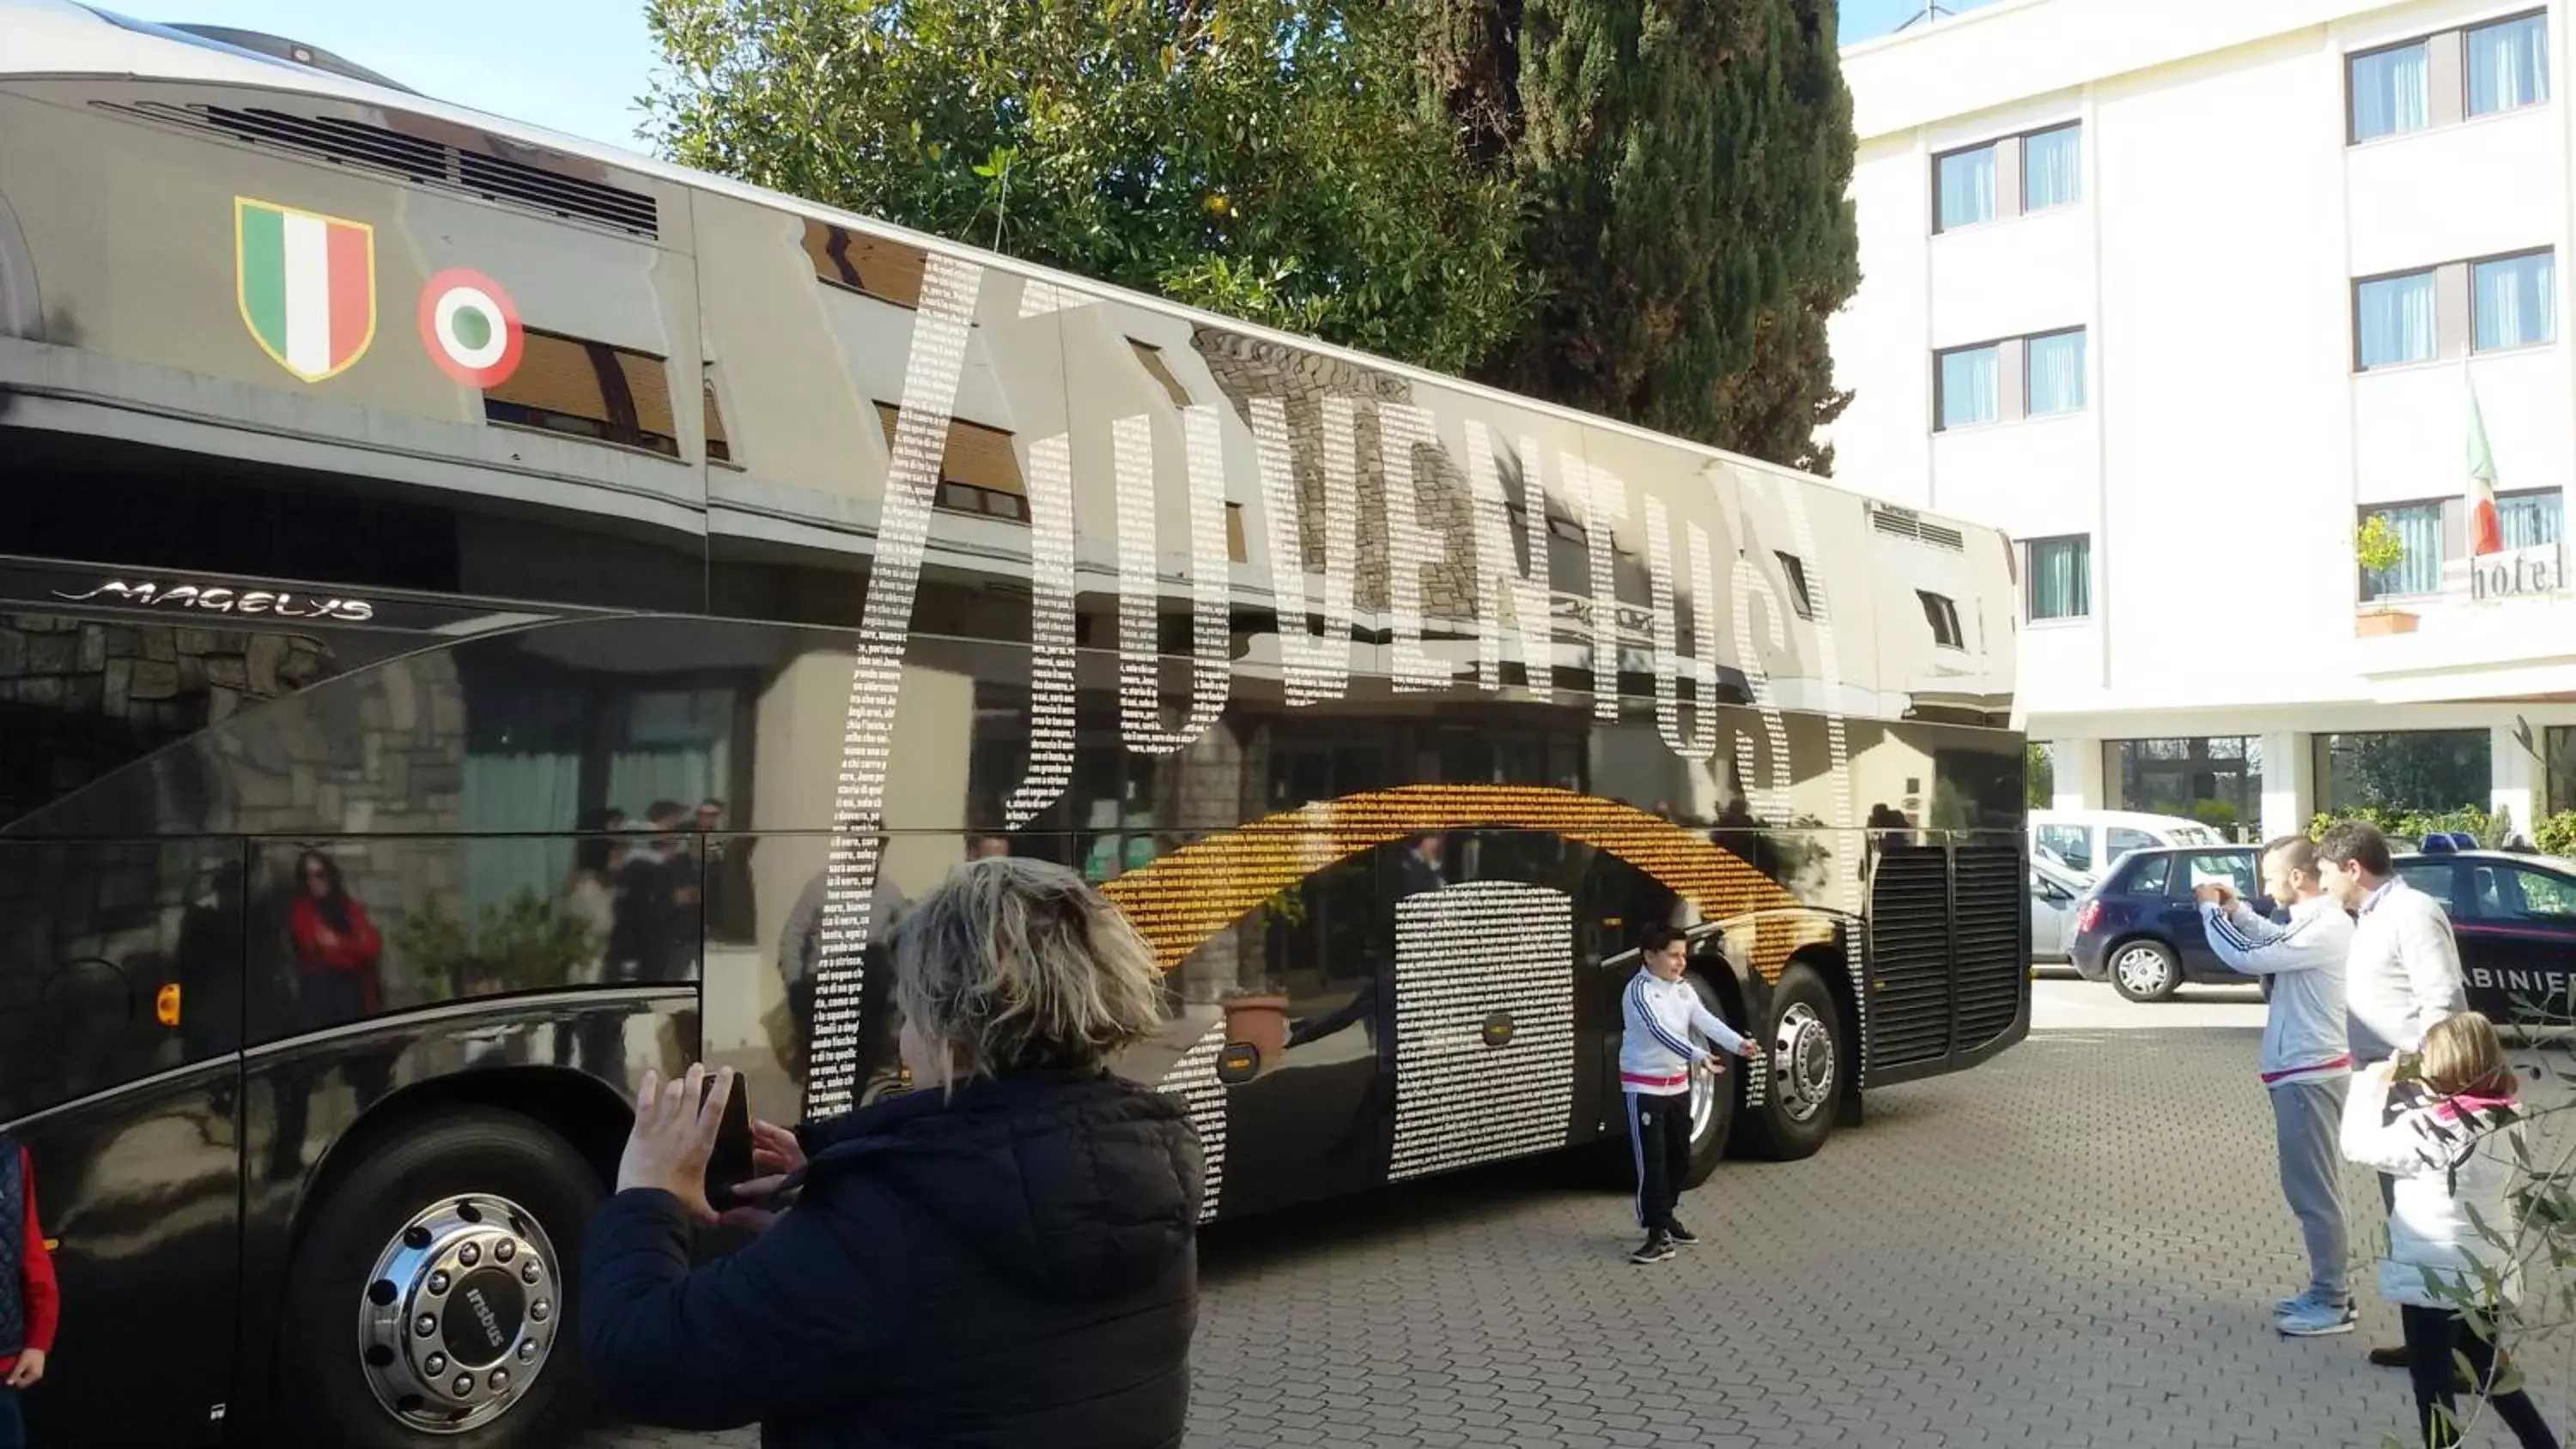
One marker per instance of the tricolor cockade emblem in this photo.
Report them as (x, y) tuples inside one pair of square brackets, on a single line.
[(307, 284), (471, 328)]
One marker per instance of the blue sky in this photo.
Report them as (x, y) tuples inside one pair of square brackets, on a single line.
[(573, 65)]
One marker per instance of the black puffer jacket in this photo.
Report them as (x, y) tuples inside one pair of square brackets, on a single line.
[(1013, 1268)]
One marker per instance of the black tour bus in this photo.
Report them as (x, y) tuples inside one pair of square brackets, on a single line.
[(482, 615)]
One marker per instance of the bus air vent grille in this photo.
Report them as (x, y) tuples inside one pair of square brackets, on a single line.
[(416, 159), (1909, 925), (1993, 940)]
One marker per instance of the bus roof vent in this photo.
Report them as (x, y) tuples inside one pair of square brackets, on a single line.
[(416, 159), (1906, 523)]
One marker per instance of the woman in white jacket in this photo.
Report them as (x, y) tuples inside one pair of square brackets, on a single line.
[(2453, 1157)]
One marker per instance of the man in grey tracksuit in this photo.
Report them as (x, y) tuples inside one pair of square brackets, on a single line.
[(2405, 969), (2307, 1062)]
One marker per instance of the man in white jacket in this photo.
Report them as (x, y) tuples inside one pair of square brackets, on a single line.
[(2307, 1060), (2405, 969)]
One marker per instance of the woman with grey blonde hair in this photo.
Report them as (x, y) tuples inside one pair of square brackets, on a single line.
[(1019, 963), (1005, 1256)]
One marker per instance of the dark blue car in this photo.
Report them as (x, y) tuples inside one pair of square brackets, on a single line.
[(2140, 929)]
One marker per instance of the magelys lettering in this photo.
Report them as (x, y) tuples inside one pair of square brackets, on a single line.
[(215, 599)]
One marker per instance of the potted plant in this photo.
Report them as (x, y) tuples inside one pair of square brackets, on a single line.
[(1256, 1013), (1257, 1016), (523, 945), (2377, 548)]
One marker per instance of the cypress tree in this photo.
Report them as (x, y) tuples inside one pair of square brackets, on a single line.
[(1686, 162)]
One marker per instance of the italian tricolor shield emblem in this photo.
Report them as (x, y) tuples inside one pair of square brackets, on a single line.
[(308, 285)]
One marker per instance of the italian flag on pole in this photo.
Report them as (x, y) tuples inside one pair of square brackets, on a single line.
[(307, 284), (2486, 530)]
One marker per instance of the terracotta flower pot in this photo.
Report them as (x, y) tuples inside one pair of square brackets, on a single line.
[(1259, 1021), (2377, 623)]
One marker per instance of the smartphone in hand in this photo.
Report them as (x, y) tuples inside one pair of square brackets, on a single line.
[(730, 1162)]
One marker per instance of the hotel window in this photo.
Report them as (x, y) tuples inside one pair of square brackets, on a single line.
[(2061, 577), (2515, 300), (2391, 90), (2403, 769), (2508, 64), (1152, 358), (979, 473), (2394, 320), (2007, 380), (870, 266), (719, 447), (1794, 569), (2009, 176), (2418, 569), (1967, 185), (1970, 384), (587, 389), (2449, 76), (1943, 615), (2528, 520), (2052, 168), (2053, 372)]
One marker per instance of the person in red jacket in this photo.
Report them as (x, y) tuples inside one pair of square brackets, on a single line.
[(29, 1302), (336, 946), (338, 980)]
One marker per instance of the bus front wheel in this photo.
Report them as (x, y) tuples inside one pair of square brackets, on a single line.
[(428, 1301), (1810, 1065)]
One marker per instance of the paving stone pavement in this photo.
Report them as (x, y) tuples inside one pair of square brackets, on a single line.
[(2074, 1245)]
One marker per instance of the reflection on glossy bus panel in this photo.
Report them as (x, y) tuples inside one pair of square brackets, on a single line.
[(419, 728)]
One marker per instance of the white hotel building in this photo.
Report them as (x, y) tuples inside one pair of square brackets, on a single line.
[(2181, 292)]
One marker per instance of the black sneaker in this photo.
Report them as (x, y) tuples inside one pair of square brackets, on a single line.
[(1682, 1237), (1655, 1250)]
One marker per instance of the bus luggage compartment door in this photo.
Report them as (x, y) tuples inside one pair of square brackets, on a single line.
[(1484, 1025)]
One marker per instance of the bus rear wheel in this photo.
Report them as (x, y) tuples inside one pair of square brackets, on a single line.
[(1810, 1066), (428, 1300)]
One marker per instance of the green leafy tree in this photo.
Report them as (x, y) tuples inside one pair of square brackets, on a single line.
[(1269, 159), (2039, 774), (2376, 546), (1686, 162)]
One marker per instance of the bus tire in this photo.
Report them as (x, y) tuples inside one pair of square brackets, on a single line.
[(477, 1211), (1714, 1111), (1810, 1069)]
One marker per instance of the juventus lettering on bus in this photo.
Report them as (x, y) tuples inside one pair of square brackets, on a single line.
[(1316, 665)]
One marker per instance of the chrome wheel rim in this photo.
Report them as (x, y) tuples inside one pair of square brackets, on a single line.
[(2141, 969), (1703, 1102), (459, 1316), (1803, 1062)]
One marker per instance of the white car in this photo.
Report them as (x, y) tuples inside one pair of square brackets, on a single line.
[(2055, 892), (2086, 842)]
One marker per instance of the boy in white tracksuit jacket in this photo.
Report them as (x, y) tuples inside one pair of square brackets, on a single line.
[(1656, 1058), (2307, 1061)]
